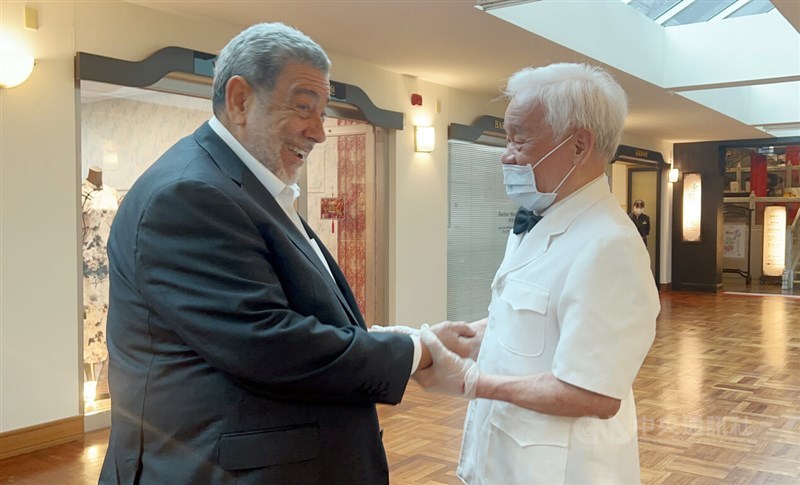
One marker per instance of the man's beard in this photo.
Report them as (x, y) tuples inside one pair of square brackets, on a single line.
[(276, 167), (271, 158)]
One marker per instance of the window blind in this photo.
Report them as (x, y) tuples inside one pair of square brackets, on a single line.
[(480, 216)]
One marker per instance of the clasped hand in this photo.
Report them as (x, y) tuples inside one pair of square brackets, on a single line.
[(451, 347), (449, 373), (460, 337)]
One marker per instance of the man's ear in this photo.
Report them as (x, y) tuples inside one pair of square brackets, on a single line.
[(583, 145), (239, 97)]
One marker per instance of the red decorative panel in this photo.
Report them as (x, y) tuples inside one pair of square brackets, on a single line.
[(352, 257)]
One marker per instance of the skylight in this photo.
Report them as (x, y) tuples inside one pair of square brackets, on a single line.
[(681, 12), (740, 58)]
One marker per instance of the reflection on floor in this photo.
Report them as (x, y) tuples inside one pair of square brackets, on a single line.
[(718, 401), (733, 283)]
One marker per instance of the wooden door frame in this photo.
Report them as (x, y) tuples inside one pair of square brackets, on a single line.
[(647, 168), (376, 277)]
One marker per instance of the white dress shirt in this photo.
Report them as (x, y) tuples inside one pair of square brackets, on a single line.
[(285, 195)]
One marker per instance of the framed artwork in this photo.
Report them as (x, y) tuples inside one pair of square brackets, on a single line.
[(733, 240), (331, 207)]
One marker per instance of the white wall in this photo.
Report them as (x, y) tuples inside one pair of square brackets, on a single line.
[(40, 255), (40, 300), (118, 29), (39, 249), (619, 184)]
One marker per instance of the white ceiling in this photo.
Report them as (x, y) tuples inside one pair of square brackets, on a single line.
[(450, 42)]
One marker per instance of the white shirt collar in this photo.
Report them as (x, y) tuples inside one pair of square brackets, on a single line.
[(553, 207), (269, 180)]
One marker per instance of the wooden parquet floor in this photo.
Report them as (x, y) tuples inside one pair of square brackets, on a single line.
[(718, 399)]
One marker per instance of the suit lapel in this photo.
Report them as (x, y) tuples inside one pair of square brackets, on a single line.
[(341, 286), (264, 199), (229, 163)]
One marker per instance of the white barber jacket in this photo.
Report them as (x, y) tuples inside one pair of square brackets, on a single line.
[(574, 297)]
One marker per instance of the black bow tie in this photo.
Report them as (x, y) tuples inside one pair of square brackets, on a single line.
[(525, 220)]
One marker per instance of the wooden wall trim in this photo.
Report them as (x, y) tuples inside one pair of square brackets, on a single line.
[(665, 287), (32, 438)]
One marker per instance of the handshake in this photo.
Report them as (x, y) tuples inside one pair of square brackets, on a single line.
[(449, 352)]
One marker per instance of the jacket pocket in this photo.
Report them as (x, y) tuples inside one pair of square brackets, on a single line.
[(521, 325), (258, 449), (526, 447)]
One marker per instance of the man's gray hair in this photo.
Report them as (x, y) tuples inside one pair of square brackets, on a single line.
[(574, 96), (259, 54)]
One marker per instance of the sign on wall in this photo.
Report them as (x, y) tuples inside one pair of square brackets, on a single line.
[(733, 240)]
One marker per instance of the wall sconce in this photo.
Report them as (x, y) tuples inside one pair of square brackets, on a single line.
[(15, 68), (424, 139), (674, 173)]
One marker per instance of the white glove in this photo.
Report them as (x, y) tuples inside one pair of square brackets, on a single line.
[(401, 329), (449, 374)]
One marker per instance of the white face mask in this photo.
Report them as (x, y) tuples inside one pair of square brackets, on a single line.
[(521, 184), (638, 211)]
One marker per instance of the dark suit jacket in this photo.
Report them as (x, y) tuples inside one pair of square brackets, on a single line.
[(642, 223), (234, 357)]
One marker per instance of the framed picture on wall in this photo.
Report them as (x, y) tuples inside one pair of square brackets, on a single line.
[(692, 207)]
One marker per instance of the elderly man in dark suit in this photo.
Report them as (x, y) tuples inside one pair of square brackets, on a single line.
[(237, 351)]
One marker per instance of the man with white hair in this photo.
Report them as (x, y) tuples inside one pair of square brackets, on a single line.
[(573, 307)]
